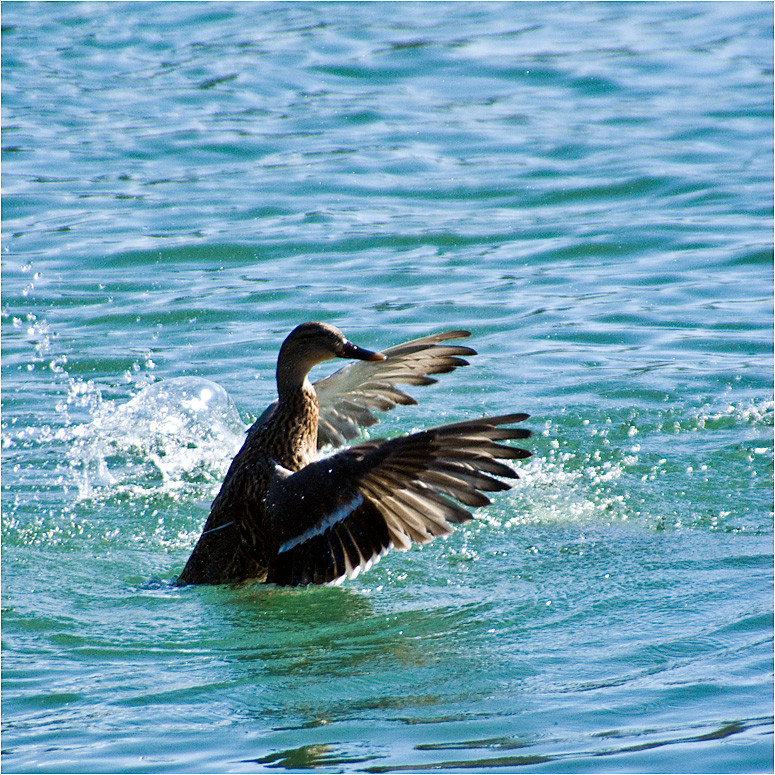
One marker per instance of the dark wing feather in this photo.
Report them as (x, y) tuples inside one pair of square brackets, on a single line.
[(348, 396), (341, 514)]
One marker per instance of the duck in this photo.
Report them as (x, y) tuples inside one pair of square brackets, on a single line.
[(297, 507)]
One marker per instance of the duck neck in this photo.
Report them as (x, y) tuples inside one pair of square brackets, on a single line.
[(292, 379), (296, 421), (292, 370)]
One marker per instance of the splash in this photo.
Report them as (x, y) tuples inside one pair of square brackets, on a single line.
[(164, 451), (172, 437), (562, 486), (690, 466), (753, 414)]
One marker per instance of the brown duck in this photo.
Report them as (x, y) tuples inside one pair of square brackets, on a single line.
[(283, 516)]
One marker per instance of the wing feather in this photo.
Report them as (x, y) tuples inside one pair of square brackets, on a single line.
[(339, 516), (347, 396)]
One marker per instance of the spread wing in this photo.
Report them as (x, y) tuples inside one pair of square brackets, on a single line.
[(339, 515), (348, 396)]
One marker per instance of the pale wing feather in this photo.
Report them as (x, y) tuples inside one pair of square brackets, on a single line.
[(348, 396)]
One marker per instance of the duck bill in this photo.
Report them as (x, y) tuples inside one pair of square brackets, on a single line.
[(350, 350)]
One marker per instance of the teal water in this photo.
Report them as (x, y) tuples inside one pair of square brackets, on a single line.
[(586, 187)]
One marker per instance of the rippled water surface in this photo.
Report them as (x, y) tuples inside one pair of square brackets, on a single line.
[(586, 187)]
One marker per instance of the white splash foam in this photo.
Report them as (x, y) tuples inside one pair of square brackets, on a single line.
[(566, 487), (181, 430)]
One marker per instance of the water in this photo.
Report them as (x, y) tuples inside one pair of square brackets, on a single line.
[(586, 187)]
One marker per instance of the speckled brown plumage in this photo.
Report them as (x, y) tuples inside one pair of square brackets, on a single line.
[(233, 544)]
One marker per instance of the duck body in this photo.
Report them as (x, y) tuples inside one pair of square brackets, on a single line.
[(283, 516), (235, 543)]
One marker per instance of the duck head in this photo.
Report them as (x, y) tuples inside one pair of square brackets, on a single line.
[(310, 344)]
